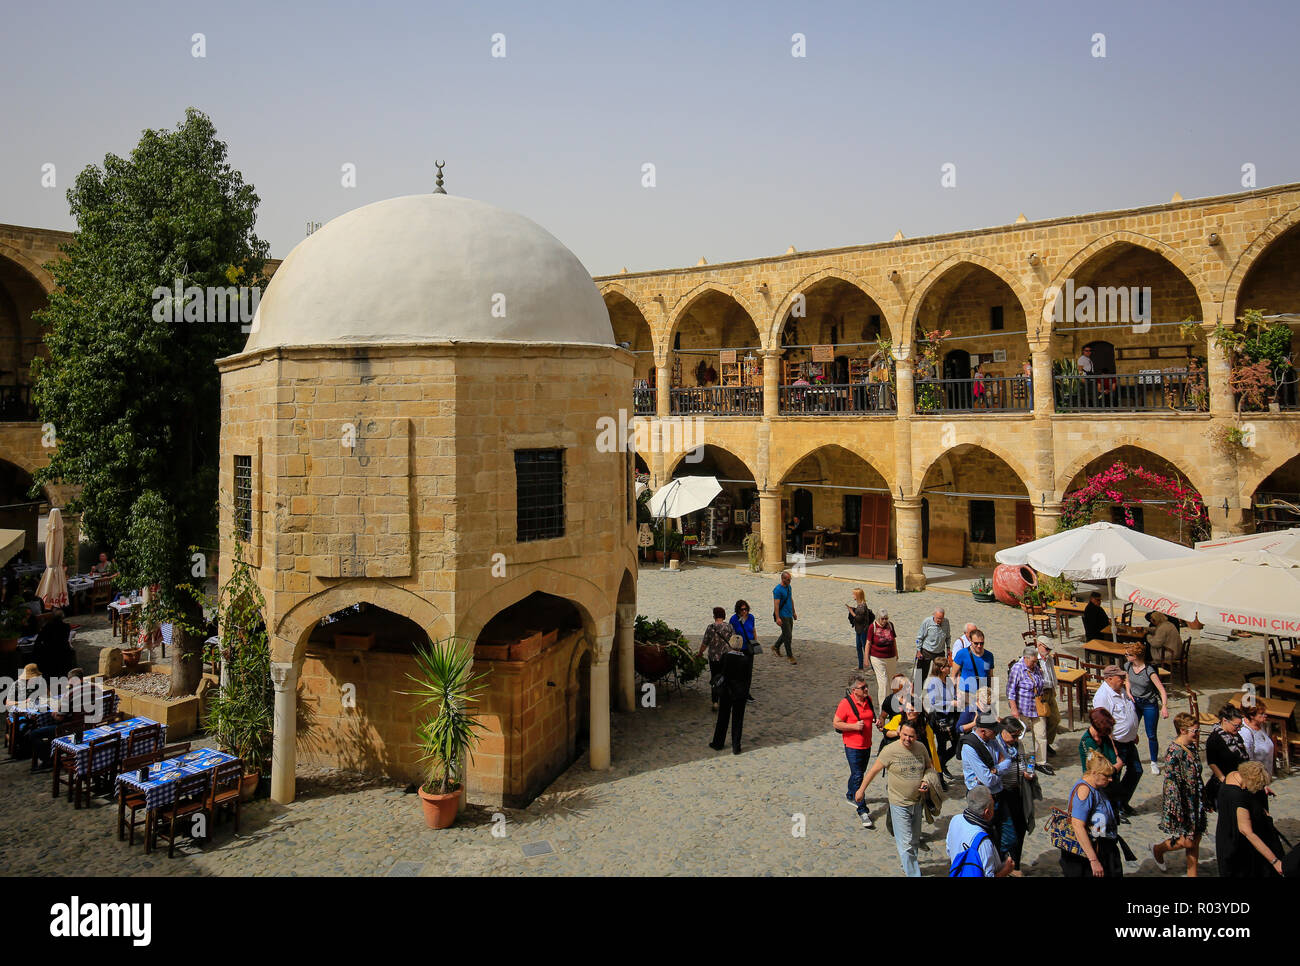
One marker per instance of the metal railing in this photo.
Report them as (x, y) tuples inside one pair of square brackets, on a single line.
[(16, 404), (862, 397), (717, 401), (995, 394), (643, 401), (1132, 392)]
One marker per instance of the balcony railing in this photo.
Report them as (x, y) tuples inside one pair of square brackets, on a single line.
[(1132, 392), (997, 394), (864, 397), (16, 404), (643, 401), (717, 401)]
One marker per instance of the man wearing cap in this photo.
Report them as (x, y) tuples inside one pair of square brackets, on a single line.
[(981, 761), (1048, 667), (964, 828), (1114, 697), (1024, 686)]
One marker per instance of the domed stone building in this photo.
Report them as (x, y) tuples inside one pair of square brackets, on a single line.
[(409, 452)]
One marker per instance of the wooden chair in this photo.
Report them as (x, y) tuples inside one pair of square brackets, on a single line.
[(1180, 665), (175, 751), (101, 592), (1065, 660), (1126, 615), (70, 725), (1029, 637), (133, 801), (191, 799), (103, 756), (143, 740), (1094, 679), (225, 790), (814, 546), (1040, 621), (832, 541), (1205, 721)]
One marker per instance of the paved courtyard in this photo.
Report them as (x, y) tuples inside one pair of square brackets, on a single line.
[(669, 805)]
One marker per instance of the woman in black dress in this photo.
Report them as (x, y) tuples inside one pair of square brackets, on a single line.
[(1241, 839), (1224, 751)]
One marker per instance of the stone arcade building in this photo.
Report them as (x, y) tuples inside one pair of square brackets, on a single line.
[(409, 448)]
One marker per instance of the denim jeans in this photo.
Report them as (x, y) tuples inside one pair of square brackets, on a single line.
[(858, 759), (907, 835), (1149, 712), (862, 647)]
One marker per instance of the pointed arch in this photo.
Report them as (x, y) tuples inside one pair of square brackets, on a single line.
[(1256, 250), (597, 612), (1084, 255), (779, 473), (888, 307), (289, 641), (677, 458), (684, 303), (38, 273), (1112, 443), (1249, 484), (1020, 470), (936, 273)]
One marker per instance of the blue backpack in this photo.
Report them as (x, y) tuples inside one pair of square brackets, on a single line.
[(967, 864)]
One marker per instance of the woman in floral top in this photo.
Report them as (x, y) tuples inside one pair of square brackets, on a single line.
[(717, 639), (1183, 809)]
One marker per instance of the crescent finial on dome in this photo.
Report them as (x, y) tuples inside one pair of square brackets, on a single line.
[(438, 189)]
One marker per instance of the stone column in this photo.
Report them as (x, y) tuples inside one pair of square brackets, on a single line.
[(663, 394), (771, 530), (624, 641), (907, 523), (903, 371), (771, 383), (1044, 394), (284, 741), (1217, 362), (1046, 518), (600, 713)]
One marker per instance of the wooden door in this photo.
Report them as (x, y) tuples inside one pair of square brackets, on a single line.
[(1024, 521), (873, 534)]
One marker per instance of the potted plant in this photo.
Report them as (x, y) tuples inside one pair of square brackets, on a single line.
[(661, 648), (241, 712), (446, 681), (982, 591)]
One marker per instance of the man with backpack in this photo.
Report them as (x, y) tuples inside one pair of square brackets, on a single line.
[(971, 851)]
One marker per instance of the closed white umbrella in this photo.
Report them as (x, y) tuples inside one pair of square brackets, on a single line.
[(1285, 543), (1099, 551), (1253, 590), (53, 588)]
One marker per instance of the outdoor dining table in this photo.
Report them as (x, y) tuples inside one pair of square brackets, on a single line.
[(159, 788), (79, 588), (119, 610), (80, 751), (1106, 647), (1071, 682), (32, 713)]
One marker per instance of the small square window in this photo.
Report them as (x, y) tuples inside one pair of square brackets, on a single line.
[(995, 317), (539, 494), (244, 497), (982, 528)]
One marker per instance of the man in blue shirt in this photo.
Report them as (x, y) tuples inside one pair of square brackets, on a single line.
[(981, 759), (963, 829), (784, 615), (974, 664)]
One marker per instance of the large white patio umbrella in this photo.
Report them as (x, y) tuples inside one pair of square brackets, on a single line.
[(1253, 590), (1099, 551), (11, 541), (1285, 543), (681, 496), (53, 588)]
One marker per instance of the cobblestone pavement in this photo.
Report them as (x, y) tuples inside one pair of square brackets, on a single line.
[(669, 805)]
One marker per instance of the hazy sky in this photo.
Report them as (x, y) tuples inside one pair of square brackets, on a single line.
[(754, 149)]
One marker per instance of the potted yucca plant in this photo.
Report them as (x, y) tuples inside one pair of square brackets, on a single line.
[(445, 680)]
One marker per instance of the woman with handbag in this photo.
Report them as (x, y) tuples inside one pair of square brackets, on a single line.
[(882, 649), (860, 618), (742, 622), (1090, 846)]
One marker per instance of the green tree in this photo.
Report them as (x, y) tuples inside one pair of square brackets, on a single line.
[(133, 392)]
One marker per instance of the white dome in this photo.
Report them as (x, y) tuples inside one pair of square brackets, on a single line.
[(426, 268)]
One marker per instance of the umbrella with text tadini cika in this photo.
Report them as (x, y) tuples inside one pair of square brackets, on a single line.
[(1252, 590), (1098, 551), (53, 588), (1284, 543)]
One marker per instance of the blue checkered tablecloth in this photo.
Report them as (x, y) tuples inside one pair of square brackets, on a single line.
[(33, 713), (68, 744), (159, 789)]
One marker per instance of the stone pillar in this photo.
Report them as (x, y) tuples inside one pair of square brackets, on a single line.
[(284, 741), (771, 530), (1046, 519), (907, 523), (1044, 391), (771, 383), (663, 391), (600, 714), (1217, 362), (1229, 523), (624, 641), (903, 370)]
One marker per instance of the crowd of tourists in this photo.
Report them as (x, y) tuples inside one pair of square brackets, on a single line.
[(946, 713)]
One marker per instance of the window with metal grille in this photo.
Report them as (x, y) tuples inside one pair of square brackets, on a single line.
[(244, 497), (539, 494)]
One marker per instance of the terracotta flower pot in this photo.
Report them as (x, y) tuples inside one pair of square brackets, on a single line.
[(131, 656), (248, 786), (1010, 583), (651, 660), (440, 810)]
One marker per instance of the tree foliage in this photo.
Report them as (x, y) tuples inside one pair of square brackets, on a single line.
[(134, 396)]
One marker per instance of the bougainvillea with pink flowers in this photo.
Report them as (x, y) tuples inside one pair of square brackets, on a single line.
[(1107, 487)]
